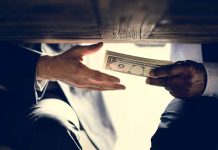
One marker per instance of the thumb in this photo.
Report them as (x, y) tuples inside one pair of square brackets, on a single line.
[(86, 50)]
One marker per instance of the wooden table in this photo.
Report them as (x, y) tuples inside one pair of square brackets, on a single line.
[(139, 21)]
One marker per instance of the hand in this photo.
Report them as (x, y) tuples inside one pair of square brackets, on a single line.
[(182, 79), (67, 67)]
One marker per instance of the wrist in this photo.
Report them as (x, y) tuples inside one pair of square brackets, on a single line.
[(44, 68)]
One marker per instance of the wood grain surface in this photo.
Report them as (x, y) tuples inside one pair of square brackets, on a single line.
[(138, 21)]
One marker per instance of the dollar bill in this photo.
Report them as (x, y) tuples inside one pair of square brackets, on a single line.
[(131, 64)]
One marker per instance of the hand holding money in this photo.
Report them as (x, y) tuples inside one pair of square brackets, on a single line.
[(131, 64), (182, 79)]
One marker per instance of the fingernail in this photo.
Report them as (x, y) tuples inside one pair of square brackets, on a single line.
[(122, 88), (98, 45)]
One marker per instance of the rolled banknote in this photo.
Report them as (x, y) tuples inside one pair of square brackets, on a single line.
[(131, 64)]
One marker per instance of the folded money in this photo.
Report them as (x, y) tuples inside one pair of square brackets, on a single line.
[(131, 64)]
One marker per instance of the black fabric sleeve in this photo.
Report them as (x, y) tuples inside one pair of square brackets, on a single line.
[(210, 52), (18, 74)]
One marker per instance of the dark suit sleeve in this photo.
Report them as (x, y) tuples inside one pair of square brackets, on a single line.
[(18, 71)]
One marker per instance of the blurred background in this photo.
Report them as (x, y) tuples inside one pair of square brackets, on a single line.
[(136, 111)]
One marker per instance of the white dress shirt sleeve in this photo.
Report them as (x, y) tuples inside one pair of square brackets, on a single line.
[(212, 80), (40, 84), (180, 52)]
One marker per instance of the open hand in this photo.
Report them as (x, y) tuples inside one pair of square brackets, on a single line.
[(67, 67), (182, 79)]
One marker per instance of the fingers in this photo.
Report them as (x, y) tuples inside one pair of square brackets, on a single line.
[(102, 82), (165, 71), (88, 78), (102, 86), (177, 89), (87, 83), (99, 76), (99, 88), (177, 86), (80, 51), (181, 79), (74, 73), (176, 81), (170, 70)]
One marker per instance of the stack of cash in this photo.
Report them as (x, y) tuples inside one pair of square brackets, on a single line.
[(131, 64)]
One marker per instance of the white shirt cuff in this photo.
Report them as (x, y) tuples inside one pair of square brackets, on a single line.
[(40, 84), (212, 80)]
